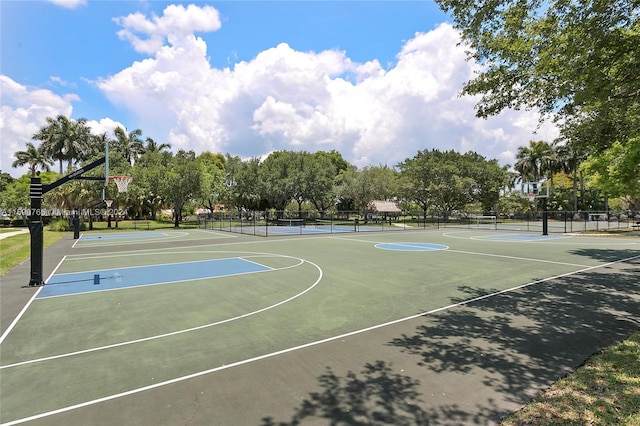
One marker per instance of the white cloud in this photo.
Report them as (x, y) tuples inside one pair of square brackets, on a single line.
[(69, 4), (23, 112), (175, 23), (287, 99), (105, 125), (60, 82)]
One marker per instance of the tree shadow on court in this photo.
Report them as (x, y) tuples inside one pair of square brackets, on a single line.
[(604, 255), (522, 341), (500, 351), (377, 395)]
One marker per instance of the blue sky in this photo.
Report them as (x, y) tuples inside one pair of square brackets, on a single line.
[(376, 81)]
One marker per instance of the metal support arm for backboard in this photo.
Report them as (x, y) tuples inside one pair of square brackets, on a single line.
[(36, 226)]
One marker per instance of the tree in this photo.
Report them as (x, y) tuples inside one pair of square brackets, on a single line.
[(415, 175), (450, 181), (570, 158), (153, 146), (556, 56), (32, 156), (5, 179), (129, 144), (97, 145), (243, 183), (535, 162), (64, 139), (490, 178), (73, 194), (147, 184), (322, 170), (213, 178), (573, 60), (279, 180), (181, 182), (361, 186), (15, 195), (616, 172), (52, 145), (77, 142)]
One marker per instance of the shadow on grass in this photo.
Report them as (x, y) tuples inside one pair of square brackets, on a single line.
[(510, 346)]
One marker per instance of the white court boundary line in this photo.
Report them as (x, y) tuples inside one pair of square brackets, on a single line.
[(408, 246), (307, 345), (525, 259), (171, 235), (183, 331), (602, 240), (109, 242), (473, 253), (26, 306)]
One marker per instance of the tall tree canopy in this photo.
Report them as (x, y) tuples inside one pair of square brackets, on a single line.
[(450, 180), (64, 139), (129, 144), (576, 60), (181, 182), (535, 161), (617, 172)]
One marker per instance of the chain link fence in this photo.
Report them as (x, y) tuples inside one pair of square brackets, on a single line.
[(291, 222)]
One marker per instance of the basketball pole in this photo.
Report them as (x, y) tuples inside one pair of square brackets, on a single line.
[(36, 226), (545, 215), (545, 218), (106, 169)]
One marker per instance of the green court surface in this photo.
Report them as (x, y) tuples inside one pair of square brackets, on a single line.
[(205, 327)]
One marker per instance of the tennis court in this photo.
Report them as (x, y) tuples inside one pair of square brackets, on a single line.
[(201, 327)]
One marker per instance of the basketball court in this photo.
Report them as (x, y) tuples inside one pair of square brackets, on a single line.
[(200, 327)]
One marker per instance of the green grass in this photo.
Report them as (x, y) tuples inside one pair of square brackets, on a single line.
[(7, 230), (16, 249), (604, 391)]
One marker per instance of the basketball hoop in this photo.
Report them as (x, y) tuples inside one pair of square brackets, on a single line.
[(108, 203), (122, 182), (532, 196)]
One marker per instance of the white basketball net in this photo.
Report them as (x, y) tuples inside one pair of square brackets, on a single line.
[(122, 182), (532, 196), (108, 203)]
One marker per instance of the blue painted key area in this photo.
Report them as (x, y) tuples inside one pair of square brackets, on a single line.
[(84, 282)]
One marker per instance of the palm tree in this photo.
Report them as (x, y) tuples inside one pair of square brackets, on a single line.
[(535, 161), (51, 143), (130, 145), (570, 159), (33, 157), (98, 143), (77, 142), (64, 139), (153, 146)]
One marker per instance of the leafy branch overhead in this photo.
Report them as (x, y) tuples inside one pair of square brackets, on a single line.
[(575, 60)]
